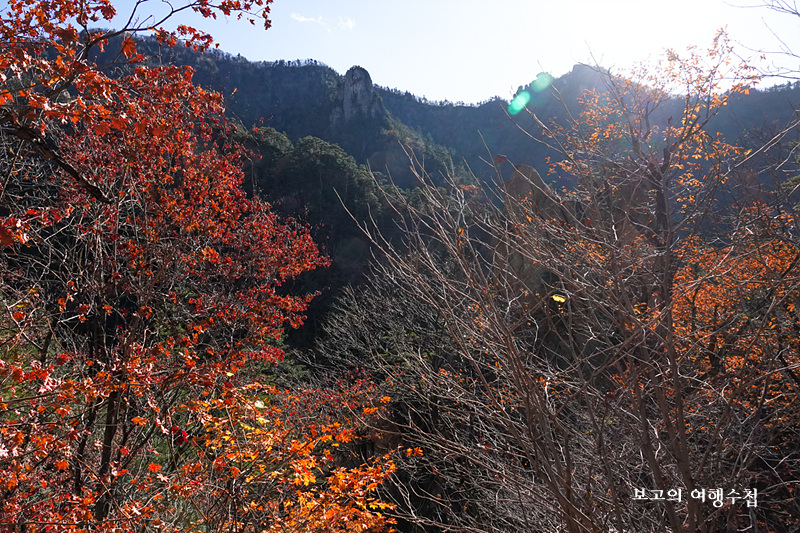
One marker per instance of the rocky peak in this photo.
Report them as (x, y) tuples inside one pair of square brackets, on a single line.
[(359, 99)]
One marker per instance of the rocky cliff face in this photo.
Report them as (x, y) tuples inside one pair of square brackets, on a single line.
[(359, 99)]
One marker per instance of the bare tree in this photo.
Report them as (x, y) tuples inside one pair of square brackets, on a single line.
[(597, 359), (789, 65)]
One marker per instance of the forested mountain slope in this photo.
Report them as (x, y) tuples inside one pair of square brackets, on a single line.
[(303, 98), (303, 109), (308, 98)]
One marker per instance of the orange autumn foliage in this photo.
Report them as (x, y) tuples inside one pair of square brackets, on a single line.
[(735, 316)]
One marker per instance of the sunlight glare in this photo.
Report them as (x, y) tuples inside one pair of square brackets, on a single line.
[(519, 102)]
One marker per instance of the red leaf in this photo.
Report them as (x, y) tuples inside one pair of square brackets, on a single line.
[(128, 47)]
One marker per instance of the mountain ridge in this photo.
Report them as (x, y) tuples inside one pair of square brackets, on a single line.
[(302, 98)]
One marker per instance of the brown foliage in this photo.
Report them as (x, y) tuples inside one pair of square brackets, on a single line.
[(615, 348)]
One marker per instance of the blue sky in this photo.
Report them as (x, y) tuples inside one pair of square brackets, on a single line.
[(469, 50)]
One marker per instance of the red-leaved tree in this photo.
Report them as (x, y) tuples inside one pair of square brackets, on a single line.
[(142, 303)]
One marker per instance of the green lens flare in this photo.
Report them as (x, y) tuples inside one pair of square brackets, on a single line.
[(542, 82), (519, 102)]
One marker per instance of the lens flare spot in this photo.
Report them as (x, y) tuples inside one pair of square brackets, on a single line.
[(542, 82), (519, 102)]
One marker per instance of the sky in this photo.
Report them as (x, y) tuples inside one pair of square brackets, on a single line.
[(470, 51)]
